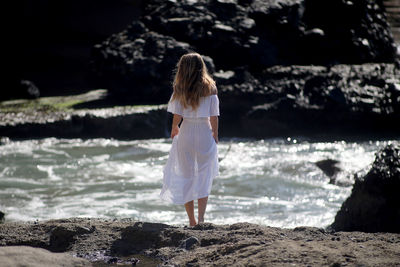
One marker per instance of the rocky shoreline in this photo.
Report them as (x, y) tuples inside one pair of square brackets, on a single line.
[(372, 207), (137, 122), (241, 244), (319, 102), (70, 117)]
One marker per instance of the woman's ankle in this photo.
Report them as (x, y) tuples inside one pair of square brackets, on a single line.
[(192, 222)]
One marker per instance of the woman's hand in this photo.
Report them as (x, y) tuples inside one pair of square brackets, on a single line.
[(174, 131), (215, 135), (175, 125), (214, 127)]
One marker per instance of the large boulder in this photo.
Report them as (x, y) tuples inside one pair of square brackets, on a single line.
[(373, 205), (356, 100)]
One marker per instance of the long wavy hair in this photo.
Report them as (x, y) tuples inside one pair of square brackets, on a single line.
[(192, 81)]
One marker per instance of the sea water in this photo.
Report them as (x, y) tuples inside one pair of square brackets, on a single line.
[(272, 182)]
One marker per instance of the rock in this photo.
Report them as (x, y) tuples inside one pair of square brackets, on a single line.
[(190, 243), (30, 88), (132, 122), (137, 65), (62, 237), (363, 28), (20, 89), (315, 101), (37, 257), (241, 244), (330, 168), (343, 100), (2, 215), (373, 203), (265, 33), (138, 237)]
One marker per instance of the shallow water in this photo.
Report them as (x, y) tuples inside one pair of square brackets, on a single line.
[(270, 182)]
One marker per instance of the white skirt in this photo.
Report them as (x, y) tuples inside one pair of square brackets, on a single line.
[(192, 163)]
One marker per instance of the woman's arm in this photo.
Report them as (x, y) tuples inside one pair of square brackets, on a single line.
[(214, 127), (175, 122)]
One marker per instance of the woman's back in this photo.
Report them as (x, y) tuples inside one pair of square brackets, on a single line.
[(193, 158), (209, 106)]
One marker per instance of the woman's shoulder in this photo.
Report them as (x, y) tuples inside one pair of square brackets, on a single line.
[(213, 92)]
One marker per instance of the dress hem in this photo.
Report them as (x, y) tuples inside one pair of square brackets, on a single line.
[(182, 203)]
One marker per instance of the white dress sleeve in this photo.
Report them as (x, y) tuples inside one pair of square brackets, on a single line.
[(214, 106), (175, 107)]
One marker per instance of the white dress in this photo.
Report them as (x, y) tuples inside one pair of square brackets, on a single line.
[(193, 158)]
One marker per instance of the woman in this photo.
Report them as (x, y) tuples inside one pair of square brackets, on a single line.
[(193, 159)]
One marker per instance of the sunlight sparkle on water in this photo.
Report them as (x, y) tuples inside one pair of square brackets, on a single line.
[(271, 182)]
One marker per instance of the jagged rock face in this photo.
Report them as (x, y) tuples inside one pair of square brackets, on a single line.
[(138, 63), (373, 205), (265, 33), (314, 101), (353, 32)]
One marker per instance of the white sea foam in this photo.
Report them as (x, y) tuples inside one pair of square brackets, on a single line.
[(272, 182)]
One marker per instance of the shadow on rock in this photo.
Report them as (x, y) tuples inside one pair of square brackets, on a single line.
[(141, 236)]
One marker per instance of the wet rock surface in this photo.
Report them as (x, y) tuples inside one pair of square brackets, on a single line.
[(240, 244), (121, 123), (56, 117), (373, 205)]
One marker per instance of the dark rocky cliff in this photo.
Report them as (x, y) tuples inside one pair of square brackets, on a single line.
[(253, 48), (240, 34)]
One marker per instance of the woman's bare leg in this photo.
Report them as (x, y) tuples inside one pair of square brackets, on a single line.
[(202, 205), (189, 206)]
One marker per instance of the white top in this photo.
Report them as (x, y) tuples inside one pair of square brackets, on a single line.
[(209, 106)]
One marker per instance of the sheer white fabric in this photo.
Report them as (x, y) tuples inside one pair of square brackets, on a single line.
[(209, 106), (193, 159)]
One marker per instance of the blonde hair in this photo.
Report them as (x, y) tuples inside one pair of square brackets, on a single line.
[(192, 81)]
